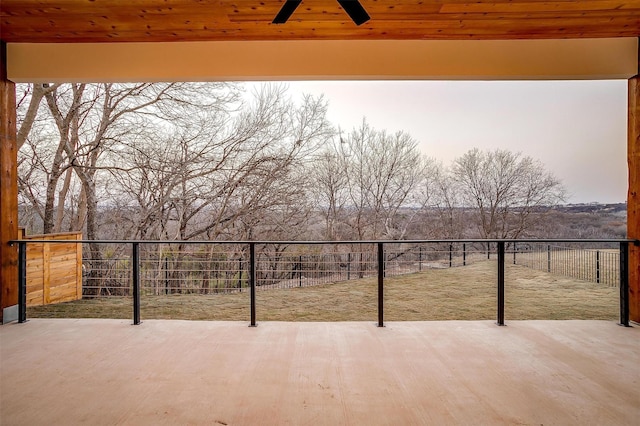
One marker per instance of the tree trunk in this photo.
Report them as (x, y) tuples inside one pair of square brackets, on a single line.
[(62, 196), (49, 206)]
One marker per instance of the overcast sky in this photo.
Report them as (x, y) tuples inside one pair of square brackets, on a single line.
[(576, 128)]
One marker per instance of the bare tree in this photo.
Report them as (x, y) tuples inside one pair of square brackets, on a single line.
[(28, 106), (365, 185), (438, 205), (382, 171), (505, 189), (330, 188), (90, 118), (221, 172)]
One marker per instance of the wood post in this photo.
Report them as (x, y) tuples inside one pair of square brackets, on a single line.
[(633, 197), (8, 194)]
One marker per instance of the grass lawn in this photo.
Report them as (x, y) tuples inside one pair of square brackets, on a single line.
[(462, 293)]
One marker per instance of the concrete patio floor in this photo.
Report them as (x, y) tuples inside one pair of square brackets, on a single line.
[(105, 372)]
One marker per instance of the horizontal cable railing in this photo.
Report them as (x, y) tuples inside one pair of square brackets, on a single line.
[(138, 269)]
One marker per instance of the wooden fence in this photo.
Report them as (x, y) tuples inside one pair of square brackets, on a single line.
[(54, 270)]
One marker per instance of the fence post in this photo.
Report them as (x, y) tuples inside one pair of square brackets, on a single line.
[(166, 275), (598, 266), (450, 255), (299, 271), (464, 254), (420, 259), (136, 283), (549, 258), (348, 266), (488, 251), (624, 284), (500, 283), (515, 249), (252, 282), (240, 275), (380, 284), (22, 282)]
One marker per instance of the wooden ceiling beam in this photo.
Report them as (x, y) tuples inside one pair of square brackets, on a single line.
[(507, 6), (83, 21), (202, 31)]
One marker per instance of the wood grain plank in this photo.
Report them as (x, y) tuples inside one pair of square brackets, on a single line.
[(67, 298), (67, 255), (67, 288), (46, 274), (8, 188), (508, 17), (541, 6), (36, 300), (78, 271), (257, 24), (633, 196), (61, 277), (63, 267), (33, 287), (56, 236)]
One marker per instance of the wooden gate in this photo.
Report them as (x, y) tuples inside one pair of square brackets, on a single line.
[(54, 270)]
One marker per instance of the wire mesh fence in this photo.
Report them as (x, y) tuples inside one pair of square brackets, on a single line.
[(178, 268), (214, 268), (166, 269), (598, 265)]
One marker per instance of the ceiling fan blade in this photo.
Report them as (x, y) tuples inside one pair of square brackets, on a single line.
[(287, 10), (355, 10)]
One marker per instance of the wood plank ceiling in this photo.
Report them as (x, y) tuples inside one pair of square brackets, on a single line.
[(50, 21)]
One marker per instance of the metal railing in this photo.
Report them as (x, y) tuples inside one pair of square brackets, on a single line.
[(206, 267)]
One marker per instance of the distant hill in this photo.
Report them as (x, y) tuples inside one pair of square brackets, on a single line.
[(593, 208)]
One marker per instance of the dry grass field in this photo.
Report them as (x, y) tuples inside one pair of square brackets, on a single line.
[(461, 293)]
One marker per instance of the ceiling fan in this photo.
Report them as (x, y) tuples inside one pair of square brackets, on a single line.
[(353, 8)]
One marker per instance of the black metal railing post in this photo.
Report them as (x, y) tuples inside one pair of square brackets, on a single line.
[(420, 259), (515, 249), (549, 258), (252, 282), (136, 283), (22, 282), (500, 283), (598, 266), (624, 284), (450, 255), (380, 285), (384, 262)]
